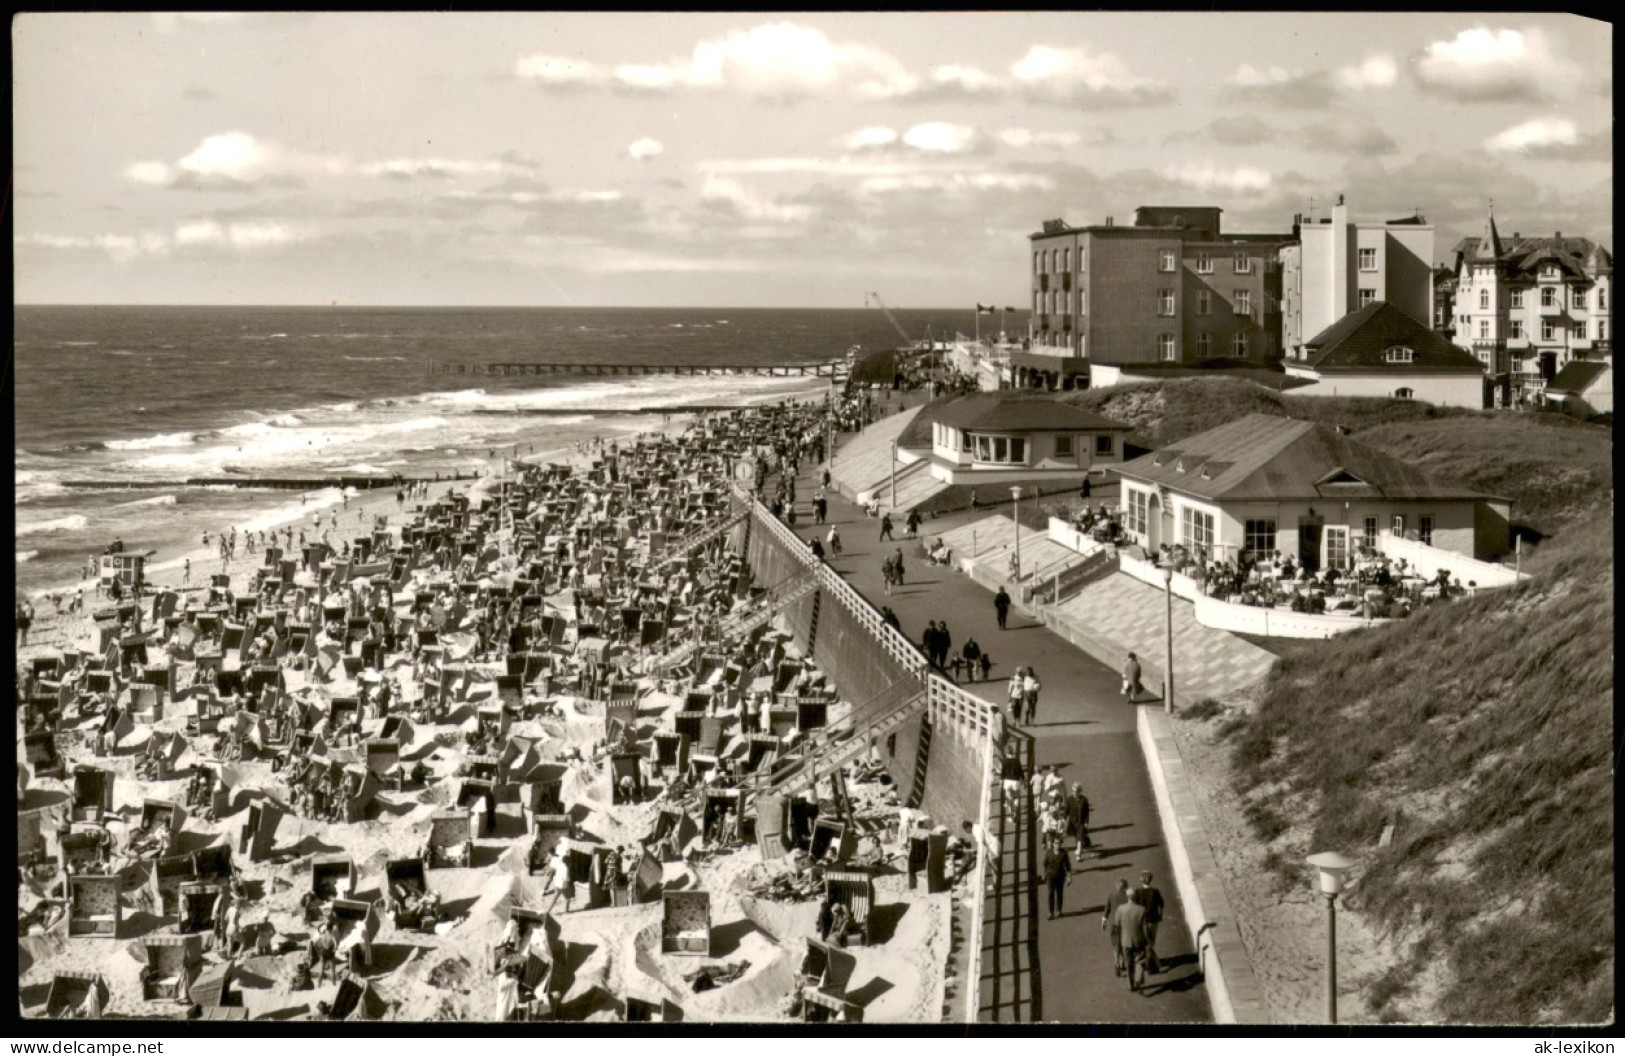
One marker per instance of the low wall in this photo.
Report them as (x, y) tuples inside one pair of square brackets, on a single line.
[(1428, 560), (1062, 532), (1274, 622), (1144, 571)]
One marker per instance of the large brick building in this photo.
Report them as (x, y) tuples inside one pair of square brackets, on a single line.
[(1171, 288), (1527, 307)]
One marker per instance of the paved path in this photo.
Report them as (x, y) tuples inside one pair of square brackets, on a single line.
[(1087, 730)]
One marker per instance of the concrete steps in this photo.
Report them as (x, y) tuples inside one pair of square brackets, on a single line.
[(865, 457)]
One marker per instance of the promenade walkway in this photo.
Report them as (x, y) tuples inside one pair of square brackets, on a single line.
[(1086, 730)]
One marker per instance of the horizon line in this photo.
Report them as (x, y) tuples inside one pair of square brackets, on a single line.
[(503, 307)]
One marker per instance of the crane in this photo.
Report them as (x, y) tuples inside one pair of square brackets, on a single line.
[(908, 342)]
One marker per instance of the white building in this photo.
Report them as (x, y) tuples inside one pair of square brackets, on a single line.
[(1004, 437), (1338, 266), (1527, 307), (1378, 350)]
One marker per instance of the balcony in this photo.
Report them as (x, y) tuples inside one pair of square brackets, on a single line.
[(1066, 323), (1043, 282), (1043, 322), (1066, 281)]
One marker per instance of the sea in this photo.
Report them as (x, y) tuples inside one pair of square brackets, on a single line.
[(141, 399)]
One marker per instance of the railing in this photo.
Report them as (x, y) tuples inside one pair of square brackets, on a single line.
[(791, 588), (843, 733), (701, 536)]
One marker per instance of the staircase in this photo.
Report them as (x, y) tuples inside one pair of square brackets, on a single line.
[(741, 623), (844, 740), (704, 534), (922, 763)]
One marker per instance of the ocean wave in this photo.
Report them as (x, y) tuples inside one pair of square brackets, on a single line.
[(157, 500), (25, 556), (293, 511), (250, 447), (342, 408), (141, 443), (376, 359), (71, 523), (78, 344), (285, 420), (119, 352), (366, 467)]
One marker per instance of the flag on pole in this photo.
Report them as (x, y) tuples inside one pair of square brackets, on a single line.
[(983, 309)]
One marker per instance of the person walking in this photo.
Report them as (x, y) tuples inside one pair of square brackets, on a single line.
[(1085, 489), (1001, 606), (913, 524), (897, 565), (1131, 933), (1058, 876), (833, 540), (945, 643), (1080, 818), (1029, 693), (1018, 695), (972, 653), (885, 526), (1151, 900), (1108, 923), (1131, 678), (25, 620)]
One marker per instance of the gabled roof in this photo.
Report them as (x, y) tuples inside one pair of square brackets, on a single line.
[(1265, 458), (1359, 343), (1576, 377), (1014, 413), (1522, 256)]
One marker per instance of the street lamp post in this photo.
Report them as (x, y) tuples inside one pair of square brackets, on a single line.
[(1332, 867), (1015, 495), (1168, 640)]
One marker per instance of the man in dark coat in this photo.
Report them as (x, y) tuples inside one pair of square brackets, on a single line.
[(1001, 605), (1057, 873)]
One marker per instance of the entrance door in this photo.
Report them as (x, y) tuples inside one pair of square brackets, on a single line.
[(1153, 523), (1309, 546), (1337, 548), (1548, 365)]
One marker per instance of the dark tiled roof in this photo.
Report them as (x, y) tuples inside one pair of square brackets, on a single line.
[(1018, 414), (1581, 256), (1359, 342), (1265, 458), (1576, 377)]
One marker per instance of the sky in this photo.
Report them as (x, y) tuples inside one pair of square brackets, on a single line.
[(756, 160)]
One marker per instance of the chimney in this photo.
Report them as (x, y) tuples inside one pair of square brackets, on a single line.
[(1108, 221), (1557, 234)]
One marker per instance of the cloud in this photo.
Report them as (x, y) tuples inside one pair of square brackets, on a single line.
[(1375, 71), (776, 60), (1207, 177), (730, 195), (1346, 134), (1245, 130), (1276, 86), (1490, 65), (1079, 77), (645, 148), (1025, 137), (941, 137), (873, 138), (248, 236), (956, 182), (150, 172), (1552, 138)]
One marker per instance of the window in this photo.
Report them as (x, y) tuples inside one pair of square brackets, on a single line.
[(1367, 296), (1204, 263), (1244, 302), (1166, 260), (1066, 260), (1083, 301), (1404, 394), (1548, 330), (1399, 354), (1580, 330), (1063, 447), (964, 442), (1054, 260), (1368, 260), (1484, 328), (1517, 298), (1244, 264), (1198, 527), (1424, 529), (1165, 302), (1240, 346), (1083, 258), (1577, 297), (1549, 271), (1483, 299), (1602, 329), (1103, 444), (1602, 297), (1139, 507), (1204, 346), (1165, 346), (1517, 330), (1548, 296), (1009, 450), (1396, 526), (1204, 302), (1260, 537), (1038, 263), (1371, 533)]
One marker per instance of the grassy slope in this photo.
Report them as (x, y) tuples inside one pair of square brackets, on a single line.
[(1480, 728)]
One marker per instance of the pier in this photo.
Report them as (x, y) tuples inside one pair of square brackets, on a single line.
[(835, 369), (360, 483)]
